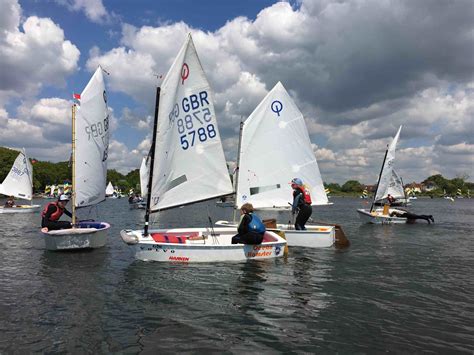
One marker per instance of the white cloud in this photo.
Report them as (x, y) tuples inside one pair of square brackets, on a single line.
[(34, 56), (355, 69), (93, 9)]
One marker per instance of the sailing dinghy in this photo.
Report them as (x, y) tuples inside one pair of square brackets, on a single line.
[(19, 184), (382, 215), (187, 165), (274, 148), (396, 190), (139, 203), (90, 142)]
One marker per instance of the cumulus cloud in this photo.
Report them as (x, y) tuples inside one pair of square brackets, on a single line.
[(357, 69), (93, 9), (34, 53), (124, 159)]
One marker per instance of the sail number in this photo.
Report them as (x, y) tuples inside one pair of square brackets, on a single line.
[(19, 172), (97, 129), (195, 126)]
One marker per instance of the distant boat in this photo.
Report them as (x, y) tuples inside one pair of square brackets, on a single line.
[(459, 193), (187, 165), (19, 184), (396, 190), (365, 194), (137, 202), (90, 143), (447, 197), (382, 215), (49, 192), (110, 191)]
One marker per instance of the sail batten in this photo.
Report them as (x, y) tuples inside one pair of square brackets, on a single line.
[(276, 148), (189, 159)]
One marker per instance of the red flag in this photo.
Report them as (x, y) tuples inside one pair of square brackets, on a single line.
[(76, 96)]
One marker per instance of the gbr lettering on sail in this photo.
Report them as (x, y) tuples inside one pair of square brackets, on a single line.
[(193, 119)]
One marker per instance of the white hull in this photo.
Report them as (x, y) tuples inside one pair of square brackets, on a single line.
[(313, 237), (20, 209), (77, 238), (377, 217), (189, 245)]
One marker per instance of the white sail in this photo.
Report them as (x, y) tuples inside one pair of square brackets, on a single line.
[(19, 181), (275, 148), (110, 189), (395, 186), (144, 174), (387, 169), (92, 142), (189, 160)]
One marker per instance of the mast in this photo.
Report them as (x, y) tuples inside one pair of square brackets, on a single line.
[(378, 181), (236, 177), (152, 162), (73, 164)]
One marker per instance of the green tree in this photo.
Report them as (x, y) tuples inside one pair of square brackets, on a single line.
[(133, 179), (333, 187), (352, 186)]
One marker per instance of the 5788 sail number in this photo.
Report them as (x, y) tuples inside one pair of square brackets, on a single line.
[(195, 125)]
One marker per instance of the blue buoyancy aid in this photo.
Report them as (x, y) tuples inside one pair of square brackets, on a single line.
[(256, 224)]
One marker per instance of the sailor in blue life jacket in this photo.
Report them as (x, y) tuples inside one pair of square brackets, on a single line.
[(301, 203), (251, 229), (53, 211)]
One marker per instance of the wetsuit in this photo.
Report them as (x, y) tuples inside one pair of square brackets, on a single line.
[(245, 233), (304, 209), (411, 217), (51, 215)]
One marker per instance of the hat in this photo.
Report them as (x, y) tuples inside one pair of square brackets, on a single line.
[(297, 181), (63, 198)]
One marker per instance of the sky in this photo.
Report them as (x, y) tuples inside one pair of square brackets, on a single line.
[(357, 70)]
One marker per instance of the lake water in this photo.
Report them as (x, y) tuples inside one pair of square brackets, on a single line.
[(396, 289)]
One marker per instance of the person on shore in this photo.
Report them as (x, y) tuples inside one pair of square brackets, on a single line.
[(301, 203), (251, 229), (53, 211), (411, 217), (10, 202)]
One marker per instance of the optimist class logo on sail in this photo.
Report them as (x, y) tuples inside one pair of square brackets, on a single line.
[(184, 73), (277, 107)]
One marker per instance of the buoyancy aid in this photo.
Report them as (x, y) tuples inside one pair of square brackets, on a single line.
[(306, 194), (55, 215), (256, 225)]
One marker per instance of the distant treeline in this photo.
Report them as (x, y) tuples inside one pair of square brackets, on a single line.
[(47, 173), (441, 186)]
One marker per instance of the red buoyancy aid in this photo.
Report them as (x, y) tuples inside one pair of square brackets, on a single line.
[(306, 194), (54, 216)]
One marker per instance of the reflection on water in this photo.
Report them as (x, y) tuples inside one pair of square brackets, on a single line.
[(408, 288)]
